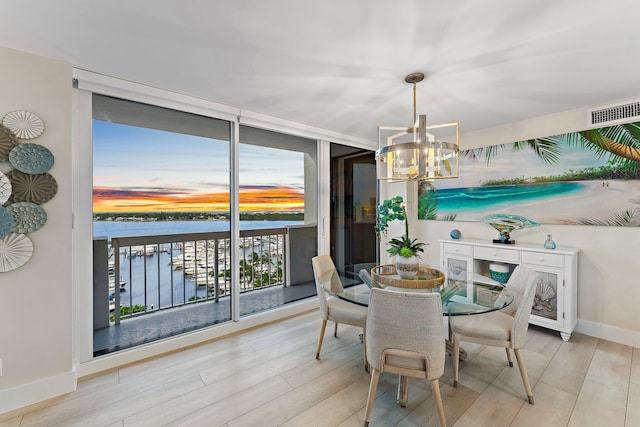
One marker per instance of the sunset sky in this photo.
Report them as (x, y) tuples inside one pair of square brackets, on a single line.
[(144, 170)]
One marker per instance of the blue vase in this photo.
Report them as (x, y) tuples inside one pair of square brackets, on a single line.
[(549, 243)]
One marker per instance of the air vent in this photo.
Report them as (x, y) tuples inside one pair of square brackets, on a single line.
[(614, 114)]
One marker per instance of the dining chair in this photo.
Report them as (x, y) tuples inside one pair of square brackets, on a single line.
[(332, 308), (367, 279), (504, 328), (405, 336)]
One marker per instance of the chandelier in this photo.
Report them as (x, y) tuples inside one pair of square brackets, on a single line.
[(419, 152)]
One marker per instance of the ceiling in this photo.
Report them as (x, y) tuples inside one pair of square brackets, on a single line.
[(340, 64)]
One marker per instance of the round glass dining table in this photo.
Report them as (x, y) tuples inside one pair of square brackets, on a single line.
[(459, 298)]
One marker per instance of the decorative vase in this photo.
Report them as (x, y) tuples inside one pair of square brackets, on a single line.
[(549, 243), (407, 268), (499, 272)]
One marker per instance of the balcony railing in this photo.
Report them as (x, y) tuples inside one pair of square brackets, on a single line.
[(151, 273)]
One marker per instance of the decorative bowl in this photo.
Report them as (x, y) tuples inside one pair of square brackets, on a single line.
[(427, 277)]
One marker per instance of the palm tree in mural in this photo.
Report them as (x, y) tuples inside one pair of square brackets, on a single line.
[(428, 203), (620, 143)]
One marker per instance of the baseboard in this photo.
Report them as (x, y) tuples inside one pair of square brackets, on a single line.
[(609, 333), (43, 389)]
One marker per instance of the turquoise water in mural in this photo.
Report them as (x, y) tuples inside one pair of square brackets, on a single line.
[(482, 198)]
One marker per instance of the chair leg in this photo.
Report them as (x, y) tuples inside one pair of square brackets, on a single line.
[(435, 386), (322, 328), (373, 385), (335, 330), (456, 360), (403, 390), (364, 348), (523, 373), (509, 357)]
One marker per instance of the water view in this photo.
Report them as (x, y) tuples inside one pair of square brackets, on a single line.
[(149, 228)]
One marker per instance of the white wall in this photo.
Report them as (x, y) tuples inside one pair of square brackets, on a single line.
[(36, 299)]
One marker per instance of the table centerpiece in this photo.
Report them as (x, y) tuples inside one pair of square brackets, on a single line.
[(406, 250)]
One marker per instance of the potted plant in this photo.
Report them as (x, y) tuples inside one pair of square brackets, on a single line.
[(406, 250)]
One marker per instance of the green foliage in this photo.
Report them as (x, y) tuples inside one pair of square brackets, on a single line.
[(427, 201), (394, 210), (261, 271), (126, 310), (405, 247), (607, 172), (405, 252), (628, 218), (448, 217), (390, 210)]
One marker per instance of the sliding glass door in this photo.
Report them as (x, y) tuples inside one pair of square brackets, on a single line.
[(278, 218), (161, 223)]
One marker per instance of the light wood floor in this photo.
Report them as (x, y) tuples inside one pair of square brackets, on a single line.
[(269, 377)]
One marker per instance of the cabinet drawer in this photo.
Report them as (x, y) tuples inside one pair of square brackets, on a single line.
[(452, 248), (539, 258), (496, 254)]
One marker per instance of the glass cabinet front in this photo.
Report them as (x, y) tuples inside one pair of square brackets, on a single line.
[(545, 302)]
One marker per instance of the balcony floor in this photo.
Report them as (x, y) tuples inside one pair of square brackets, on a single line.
[(170, 322)]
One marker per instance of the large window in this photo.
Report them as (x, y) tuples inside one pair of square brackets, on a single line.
[(163, 222), (161, 205)]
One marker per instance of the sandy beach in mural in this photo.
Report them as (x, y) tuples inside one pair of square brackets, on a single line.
[(595, 201)]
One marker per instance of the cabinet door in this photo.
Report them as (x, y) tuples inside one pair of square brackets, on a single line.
[(457, 268), (547, 309)]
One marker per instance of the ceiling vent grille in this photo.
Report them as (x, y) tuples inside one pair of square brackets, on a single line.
[(622, 113)]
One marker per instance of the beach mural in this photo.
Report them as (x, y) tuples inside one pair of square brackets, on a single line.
[(589, 177)]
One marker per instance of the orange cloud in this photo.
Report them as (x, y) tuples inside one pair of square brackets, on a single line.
[(261, 199)]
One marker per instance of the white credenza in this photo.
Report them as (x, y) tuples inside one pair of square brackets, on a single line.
[(555, 303)]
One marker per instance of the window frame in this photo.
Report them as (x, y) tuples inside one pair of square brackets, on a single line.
[(87, 83)]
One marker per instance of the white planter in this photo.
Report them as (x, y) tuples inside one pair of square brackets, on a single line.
[(407, 268)]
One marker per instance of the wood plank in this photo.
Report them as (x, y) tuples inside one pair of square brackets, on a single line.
[(289, 405)]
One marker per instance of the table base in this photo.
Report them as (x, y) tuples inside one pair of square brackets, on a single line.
[(449, 349)]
